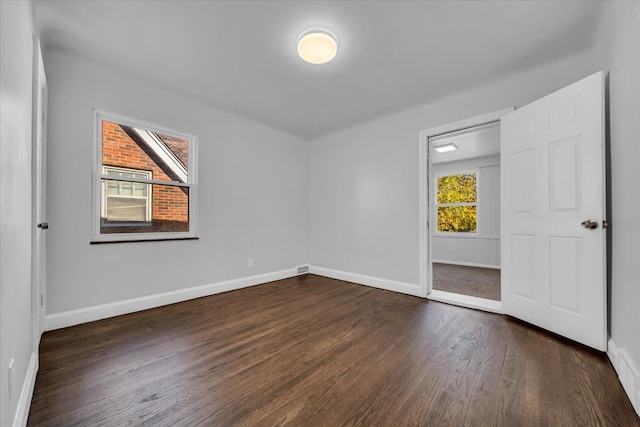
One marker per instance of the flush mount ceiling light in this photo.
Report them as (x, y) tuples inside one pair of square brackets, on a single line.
[(445, 148), (317, 47)]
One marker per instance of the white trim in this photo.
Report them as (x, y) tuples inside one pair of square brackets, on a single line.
[(24, 403), (38, 191), (466, 301), (613, 353), (423, 185), (449, 134), (375, 282), (466, 264), (423, 214), (104, 311), (628, 372)]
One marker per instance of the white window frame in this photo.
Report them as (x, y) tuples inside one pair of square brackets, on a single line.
[(105, 197), (476, 172), (99, 175)]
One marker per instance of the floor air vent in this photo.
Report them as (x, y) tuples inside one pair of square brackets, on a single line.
[(302, 269)]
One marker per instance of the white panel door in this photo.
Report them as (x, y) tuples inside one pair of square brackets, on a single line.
[(553, 180)]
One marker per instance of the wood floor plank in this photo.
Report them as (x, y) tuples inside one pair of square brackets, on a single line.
[(313, 351)]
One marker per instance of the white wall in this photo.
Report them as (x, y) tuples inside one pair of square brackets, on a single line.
[(363, 181), (619, 49), (252, 194), (483, 247), (15, 200)]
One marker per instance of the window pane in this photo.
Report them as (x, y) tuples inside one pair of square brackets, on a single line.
[(159, 156), (126, 208), (461, 219), (139, 190), (458, 188), (143, 208), (113, 189), (125, 189)]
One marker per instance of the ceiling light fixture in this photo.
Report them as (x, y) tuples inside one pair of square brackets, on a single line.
[(317, 47), (445, 148)]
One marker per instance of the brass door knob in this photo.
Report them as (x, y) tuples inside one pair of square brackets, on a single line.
[(590, 224)]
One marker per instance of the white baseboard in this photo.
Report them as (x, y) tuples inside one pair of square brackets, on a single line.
[(613, 353), (466, 264), (376, 282), (104, 311), (24, 403), (628, 372)]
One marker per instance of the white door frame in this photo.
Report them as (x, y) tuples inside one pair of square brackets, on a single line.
[(426, 282), (38, 193)]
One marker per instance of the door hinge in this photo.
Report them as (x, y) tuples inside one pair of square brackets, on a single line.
[(41, 299)]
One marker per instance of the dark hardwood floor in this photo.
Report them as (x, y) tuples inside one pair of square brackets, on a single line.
[(461, 279), (312, 351)]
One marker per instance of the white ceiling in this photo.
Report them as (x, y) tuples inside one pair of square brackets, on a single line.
[(240, 56), (471, 143)]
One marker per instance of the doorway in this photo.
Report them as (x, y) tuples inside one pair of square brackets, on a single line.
[(460, 240), (552, 213)]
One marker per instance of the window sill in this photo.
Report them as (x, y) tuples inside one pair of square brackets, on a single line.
[(158, 239), (127, 224)]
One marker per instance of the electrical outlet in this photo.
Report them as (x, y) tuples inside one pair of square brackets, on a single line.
[(250, 262), (12, 378)]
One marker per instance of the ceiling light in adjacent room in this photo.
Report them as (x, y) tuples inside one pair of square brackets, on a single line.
[(317, 47), (445, 148)]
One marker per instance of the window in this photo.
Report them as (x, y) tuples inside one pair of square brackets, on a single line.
[(145, 181), (124, 201), (457, 202)]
